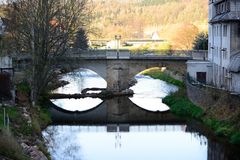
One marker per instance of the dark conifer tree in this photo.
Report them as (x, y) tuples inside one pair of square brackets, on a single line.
[(81, 40), (201, 42)]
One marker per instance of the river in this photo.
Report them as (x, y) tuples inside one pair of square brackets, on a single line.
[(140, 127)]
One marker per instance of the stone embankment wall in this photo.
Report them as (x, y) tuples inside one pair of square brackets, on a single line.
[(177, 76), (202, 96), (217, 103)]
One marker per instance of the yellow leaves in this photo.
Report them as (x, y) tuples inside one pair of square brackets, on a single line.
[(131, 17)]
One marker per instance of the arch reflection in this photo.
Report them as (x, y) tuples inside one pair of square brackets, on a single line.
[(79, 80), (149, 92)]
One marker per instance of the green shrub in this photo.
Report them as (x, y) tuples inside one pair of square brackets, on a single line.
[(183, 107), (45, 117), (223, 131), (212, 123), (235, 138), (24, 87), (25, 129), (11, 112), (201, 41)]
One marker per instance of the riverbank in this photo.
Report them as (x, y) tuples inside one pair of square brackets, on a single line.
[(216, 117), (21, 138)]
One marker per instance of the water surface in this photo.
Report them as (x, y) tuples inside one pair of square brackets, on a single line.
[(79, 80), (141, 142), (149, 93)]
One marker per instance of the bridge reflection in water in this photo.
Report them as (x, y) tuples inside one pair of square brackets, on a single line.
[(116, 110), (121, 125), (124, 141), (125, 128), (140, 142)]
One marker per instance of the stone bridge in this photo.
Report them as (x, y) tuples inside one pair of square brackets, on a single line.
[(119, 67)]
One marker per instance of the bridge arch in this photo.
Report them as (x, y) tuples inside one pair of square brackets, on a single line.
[(97, 66), (92, 72)]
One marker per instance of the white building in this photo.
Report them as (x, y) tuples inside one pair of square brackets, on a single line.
[(222, 69)]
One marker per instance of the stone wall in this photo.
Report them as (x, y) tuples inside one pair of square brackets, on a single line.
[(218, 104), (202, 96), (235, 83), (175, 75)]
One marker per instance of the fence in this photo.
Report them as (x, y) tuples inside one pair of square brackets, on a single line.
[(6, 120), (195, 54)]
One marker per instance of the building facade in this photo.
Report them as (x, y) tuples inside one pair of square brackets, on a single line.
[(223, 66)]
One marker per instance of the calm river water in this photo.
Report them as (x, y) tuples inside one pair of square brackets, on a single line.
[(127, 141)]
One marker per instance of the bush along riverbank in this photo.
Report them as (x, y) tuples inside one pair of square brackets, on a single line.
[(20, 137), (180, 105)]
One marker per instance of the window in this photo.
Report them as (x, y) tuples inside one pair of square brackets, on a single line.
[(201, 77), (227, 6), (223, 7), (225, 54), (213, 30), (224, 30)]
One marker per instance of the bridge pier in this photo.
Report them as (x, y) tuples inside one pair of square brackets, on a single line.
[(117, 76)]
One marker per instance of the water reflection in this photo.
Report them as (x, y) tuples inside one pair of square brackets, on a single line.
[(149, 93), (140, 142), (79, 80)]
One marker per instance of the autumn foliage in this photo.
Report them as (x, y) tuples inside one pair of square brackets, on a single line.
[(138, 19)]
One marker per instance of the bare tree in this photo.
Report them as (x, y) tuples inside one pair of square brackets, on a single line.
[(44, 29)]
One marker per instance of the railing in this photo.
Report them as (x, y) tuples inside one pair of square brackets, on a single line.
[(196, 83), (23, 61), (6, 120), (127, 54)]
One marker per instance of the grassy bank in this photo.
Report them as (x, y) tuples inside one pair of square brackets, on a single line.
[(158, 73), (21, 128), (9, 145), (181, 106), (10, 111)]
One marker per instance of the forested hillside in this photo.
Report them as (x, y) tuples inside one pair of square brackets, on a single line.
[(137, 19)]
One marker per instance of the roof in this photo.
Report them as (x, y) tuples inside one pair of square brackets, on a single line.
[(198, 62), (155, 36), (234, 65), (218, 1), (228, 16)]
